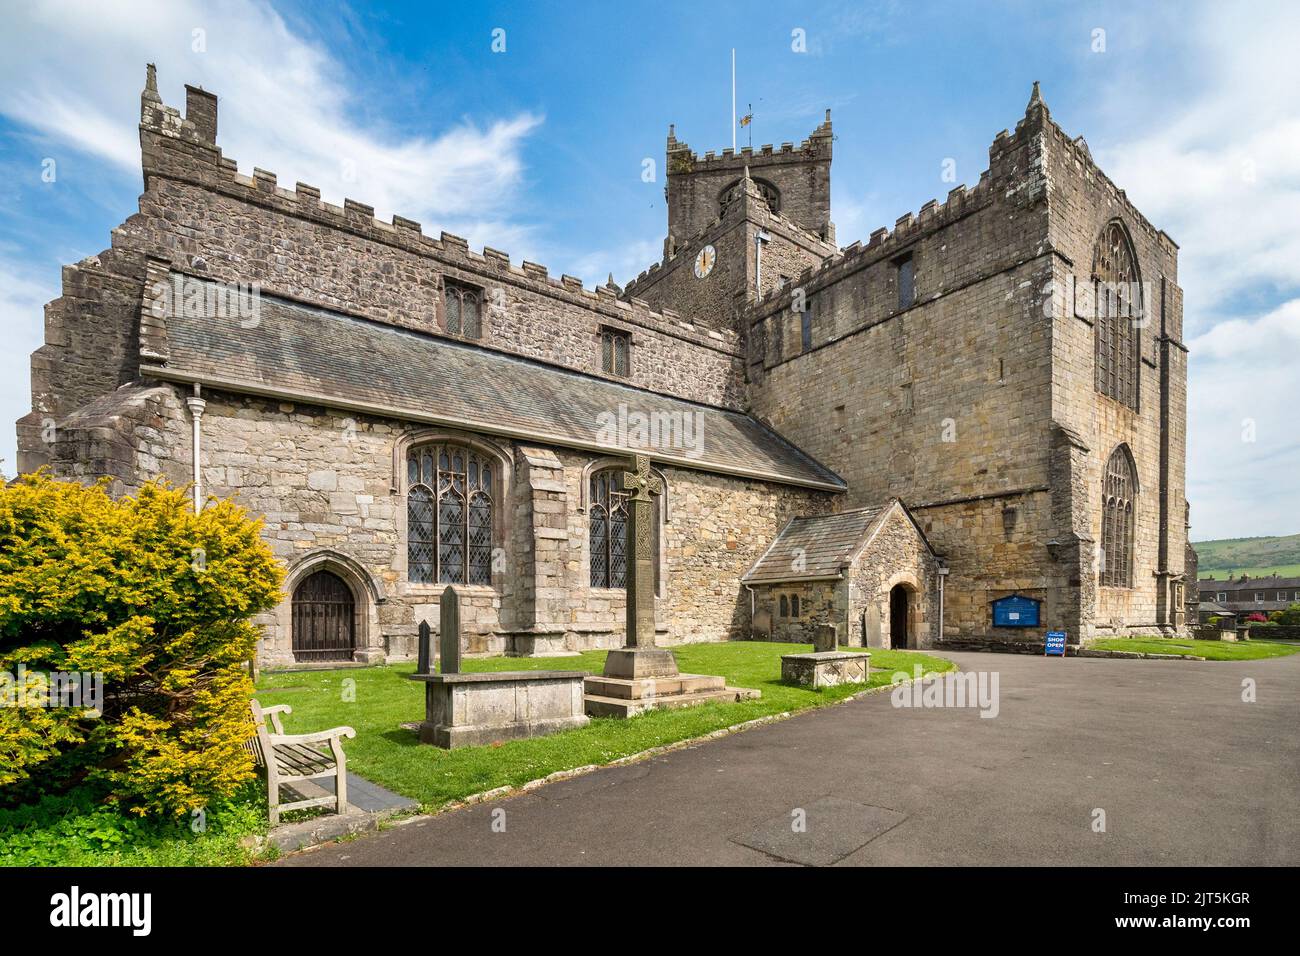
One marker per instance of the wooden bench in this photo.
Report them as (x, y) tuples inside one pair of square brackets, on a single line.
[(295, 758)]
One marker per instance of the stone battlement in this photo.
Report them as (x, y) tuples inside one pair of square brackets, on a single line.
[(682, 159), (183, 134)]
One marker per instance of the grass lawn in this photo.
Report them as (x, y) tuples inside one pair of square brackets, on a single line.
[(383, 698), (1210, 650)]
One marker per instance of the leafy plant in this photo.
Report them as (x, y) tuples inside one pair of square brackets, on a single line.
[(158, 601)]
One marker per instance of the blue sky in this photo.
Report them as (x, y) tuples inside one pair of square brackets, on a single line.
[(538, 150)]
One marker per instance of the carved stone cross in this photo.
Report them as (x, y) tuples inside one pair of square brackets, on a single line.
[(640, 544)]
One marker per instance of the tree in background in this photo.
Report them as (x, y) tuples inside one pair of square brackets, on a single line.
[(156, 599)]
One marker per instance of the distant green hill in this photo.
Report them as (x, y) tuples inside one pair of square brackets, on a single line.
[(1257, 557)]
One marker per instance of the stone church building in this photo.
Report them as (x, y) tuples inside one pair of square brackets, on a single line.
[(986, 402)]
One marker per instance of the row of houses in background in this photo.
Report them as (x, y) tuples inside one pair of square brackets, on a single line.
[(1222, 597)]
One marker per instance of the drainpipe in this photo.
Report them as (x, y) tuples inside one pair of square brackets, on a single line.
[(943, 576), (196, 406), (751, 611)]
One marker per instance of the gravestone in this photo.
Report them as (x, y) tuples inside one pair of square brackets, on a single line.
[(826, 638), (449, 632), (426, 648), (462, 710)]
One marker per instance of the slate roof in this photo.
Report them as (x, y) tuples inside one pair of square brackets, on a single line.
[(827, 544), (1270, 583), (296, 352)]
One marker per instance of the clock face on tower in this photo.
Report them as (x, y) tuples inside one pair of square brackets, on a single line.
[(704, 261)]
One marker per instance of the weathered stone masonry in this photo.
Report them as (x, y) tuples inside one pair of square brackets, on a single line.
[(973, 403)]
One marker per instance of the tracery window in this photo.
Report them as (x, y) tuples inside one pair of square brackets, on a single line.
[(463, 309), (607, 520), (1117, 294), (449, 515), (1119, 489)]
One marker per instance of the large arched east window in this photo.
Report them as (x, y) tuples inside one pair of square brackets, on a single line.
[(607, 522), (449, 502), (1119, 491), (1117, 292)]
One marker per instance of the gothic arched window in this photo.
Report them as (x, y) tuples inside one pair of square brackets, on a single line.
[(1119, 491), (1118, 315), (771, 195), (607, 518), (449, 515)]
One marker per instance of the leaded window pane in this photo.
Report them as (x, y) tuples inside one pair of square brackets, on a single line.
[(419, 534), (618, 548), (450, 532), (599, 547), (453, 312), (1117, 316), (1117, 520), (480, 539), (451, 539), (471, 318)]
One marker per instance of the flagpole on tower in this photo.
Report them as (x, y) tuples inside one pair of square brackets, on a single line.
[(733, 99)]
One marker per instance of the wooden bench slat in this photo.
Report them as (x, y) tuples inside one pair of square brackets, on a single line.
[(289, 760)]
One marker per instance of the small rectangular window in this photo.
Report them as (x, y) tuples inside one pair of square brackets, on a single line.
[(616, 352), (462, 310), (906, 281)]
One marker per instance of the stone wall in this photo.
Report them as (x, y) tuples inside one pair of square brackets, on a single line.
[(896, 556), (820, 602), (1082, 201), (329, 488), (802, 175)]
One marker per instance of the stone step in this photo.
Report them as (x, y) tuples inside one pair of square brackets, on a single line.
[(598, 706), (625, 688)]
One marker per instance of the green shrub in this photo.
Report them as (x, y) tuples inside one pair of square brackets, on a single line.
[(78, 829), (1288, 617), (158, 601)]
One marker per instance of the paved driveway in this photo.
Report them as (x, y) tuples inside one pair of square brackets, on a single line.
[(1185, 771)]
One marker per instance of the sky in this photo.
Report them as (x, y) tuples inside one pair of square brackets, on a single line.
[(526, 127)]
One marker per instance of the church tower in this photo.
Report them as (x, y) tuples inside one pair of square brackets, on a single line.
[(795, 182), (740, 226)]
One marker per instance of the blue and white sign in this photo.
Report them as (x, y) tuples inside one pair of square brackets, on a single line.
[(1015, 611), (1055, 646)]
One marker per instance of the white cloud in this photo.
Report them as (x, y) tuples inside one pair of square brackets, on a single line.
[(1215, 166), (71, 75), (73, 71)]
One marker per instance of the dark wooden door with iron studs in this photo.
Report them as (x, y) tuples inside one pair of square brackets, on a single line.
[(324, 619)]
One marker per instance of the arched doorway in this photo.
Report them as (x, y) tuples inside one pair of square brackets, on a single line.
[(324, 619), (898, 608)]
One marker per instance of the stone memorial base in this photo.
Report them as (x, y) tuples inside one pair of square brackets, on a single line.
[(825, 668), (461, 710), (640, 679)]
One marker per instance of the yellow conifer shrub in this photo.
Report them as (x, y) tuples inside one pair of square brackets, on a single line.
[(158, 601)]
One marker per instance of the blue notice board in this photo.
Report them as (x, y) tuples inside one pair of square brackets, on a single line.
[(1055, 646), (1015, 611)]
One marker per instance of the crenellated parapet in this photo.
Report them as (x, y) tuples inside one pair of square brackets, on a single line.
[(183, 149)]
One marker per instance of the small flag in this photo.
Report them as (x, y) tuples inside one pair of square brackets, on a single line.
[(746, 119)]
